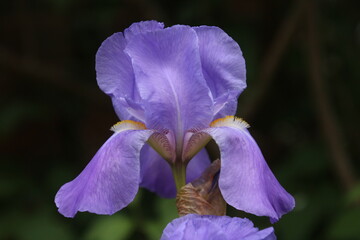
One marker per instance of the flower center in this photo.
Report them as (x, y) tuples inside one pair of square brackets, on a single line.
[(180, 149)]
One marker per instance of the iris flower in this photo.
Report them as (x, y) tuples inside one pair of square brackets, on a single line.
[(207, 227), (174, 89)]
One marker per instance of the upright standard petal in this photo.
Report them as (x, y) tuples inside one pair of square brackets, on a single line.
[(169, 78), (223, 66), (246, 182), (115, 76), (156, 174), (110, 181), (206, 227), (114, 72)]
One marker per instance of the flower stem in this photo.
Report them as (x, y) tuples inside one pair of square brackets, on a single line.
[(179, 173)]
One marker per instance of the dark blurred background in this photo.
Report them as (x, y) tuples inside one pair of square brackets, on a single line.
[(302, 101)]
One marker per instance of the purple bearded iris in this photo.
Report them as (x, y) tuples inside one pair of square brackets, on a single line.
[(174, 88), (214, 228)]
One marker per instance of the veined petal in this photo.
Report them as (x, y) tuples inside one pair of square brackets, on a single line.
[(223, 66), (111, 180), (246, 182), (243, 228), (162, 144), (128, 109), (115, 75), (169, 78), (193, 143), (156, 174), (114, 71), (224, 105), (206, 227), (142, 27)]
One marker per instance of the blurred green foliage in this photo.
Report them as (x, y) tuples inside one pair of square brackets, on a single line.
[(53, 117)]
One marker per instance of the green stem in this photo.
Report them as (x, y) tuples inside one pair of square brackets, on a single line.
[(179, 173)]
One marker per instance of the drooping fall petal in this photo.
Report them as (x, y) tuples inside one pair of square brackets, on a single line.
[(110, 181), (246, 181)]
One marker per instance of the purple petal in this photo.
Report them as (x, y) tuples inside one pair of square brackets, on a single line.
[(193, 227), (110, 181), (114, 71), (214, 228), (197, 165), (223, 67), (246, 182), (169, 78), (156, 174), (115, 74), (113, 67), (142, 27), (127, 109), (242, 228)]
